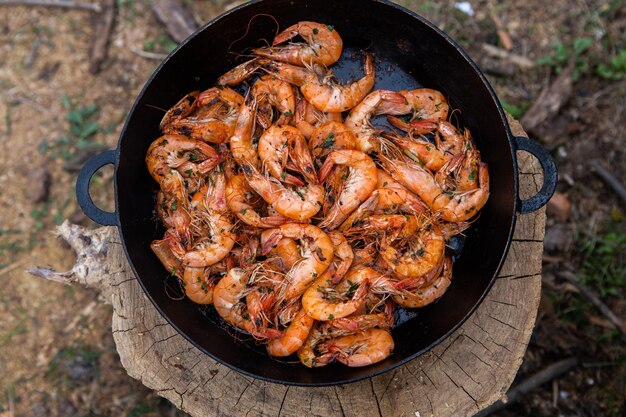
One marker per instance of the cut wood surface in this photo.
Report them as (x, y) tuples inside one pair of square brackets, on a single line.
[(467, 372)]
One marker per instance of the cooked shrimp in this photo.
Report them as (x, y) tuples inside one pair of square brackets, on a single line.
[(277, 93), (329, 96), (298, 203), (168, 152), (414, 255), (362, 322), (377, 102), (366, 348), (389, 197), (342, 259), (211, 212), (410, 283), (294, 336), (383, 226), (330, 136), (307, 354), (322, 302), (323, 45), (317, 250), (449, 140), (180, 110), (281, 142), (307, 117), (199, 285), (227, 297), (321, 91), (425, 104), (423, 296), (358, 186), (419, 127), (467, 172), (241, 72), (239, 197), (420, 150), (161, 249), (453, 206), (241, 145), (210, 126), (176, 217)]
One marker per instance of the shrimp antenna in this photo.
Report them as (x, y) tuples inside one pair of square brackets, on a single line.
[(248, 29)]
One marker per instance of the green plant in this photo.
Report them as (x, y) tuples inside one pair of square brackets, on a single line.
[(563, 54), (39, 214), (79, 137), (58, 366), (163, 43), (615, 69), (515, 110), (603, 264)]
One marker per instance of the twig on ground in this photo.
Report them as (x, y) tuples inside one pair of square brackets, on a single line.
[(550, 101), (146, 54), (613, 182), (594, 299), (13, 266), (32, 55), (101, 35), (177, 19), (519, 60), (547, 374), (504, 36), (67, 4)]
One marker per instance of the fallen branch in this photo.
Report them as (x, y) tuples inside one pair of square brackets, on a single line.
[(146, 54), (610, 180), (519, 60), (594, 299), (177, 19), (504, 36), (67, 4), (101, 35), (550, 101), (547, 374)]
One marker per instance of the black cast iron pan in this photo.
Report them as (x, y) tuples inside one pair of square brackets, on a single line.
[(410, 52)]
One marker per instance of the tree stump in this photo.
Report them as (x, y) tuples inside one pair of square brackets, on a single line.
[(467, 372)]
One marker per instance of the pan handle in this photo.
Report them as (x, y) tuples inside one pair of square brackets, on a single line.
[(550, 175), (92, 165)]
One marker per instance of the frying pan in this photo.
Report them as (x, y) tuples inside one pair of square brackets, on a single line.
[(410, 52)]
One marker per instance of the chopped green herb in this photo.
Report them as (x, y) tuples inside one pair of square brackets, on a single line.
[(174, 271), (189, 172), (243, 211), (315, 31), (331, 316), (283, 175), (330, 27), (193, 157), (472, 175), (174, 205), (385, 184), (288, 113)]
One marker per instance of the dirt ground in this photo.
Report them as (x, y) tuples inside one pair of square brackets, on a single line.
[(57, 356)]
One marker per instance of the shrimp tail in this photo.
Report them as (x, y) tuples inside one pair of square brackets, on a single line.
[(420, 127)]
